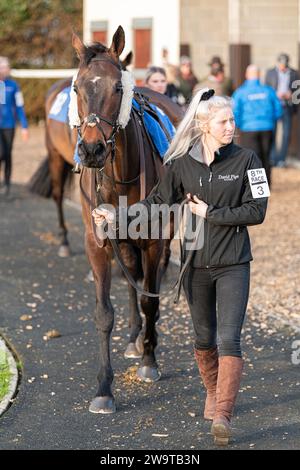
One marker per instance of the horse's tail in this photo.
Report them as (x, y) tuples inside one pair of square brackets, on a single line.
[(41, 182)]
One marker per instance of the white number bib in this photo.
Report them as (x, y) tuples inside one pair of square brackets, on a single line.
[(258, 183), (58, 103)]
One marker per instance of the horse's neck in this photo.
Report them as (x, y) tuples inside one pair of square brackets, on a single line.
[(126, 158)]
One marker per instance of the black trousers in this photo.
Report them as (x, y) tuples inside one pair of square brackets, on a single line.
[(217, 299), (6, 143), (261, 142)]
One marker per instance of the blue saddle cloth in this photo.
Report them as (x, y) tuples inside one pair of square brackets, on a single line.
[(159, 138), (59, 112), (60, 106)]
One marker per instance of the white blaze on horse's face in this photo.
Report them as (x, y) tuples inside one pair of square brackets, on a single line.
[(94, 80)]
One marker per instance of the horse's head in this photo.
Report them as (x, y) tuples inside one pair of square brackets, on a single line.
[(99, 90)]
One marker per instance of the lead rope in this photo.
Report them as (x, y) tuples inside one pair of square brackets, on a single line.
[(130, 279)]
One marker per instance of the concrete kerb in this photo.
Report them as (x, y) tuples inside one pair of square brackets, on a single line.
[(14, 378)]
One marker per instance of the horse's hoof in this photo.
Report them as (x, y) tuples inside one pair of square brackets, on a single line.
[(148, 374), (64, 251), (132, 352), (104, 405), (90, 276)]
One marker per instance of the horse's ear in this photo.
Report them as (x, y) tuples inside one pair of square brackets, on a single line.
[(128, 59), (78, 45), (118, 42)]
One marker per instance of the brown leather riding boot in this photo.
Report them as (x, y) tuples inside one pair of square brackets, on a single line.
[(228, 384), (207, 361)]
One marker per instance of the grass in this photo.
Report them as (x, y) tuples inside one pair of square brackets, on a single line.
[(4, 375)]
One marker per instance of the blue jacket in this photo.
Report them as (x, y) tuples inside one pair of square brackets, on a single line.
[(12, 109), (256, 107)]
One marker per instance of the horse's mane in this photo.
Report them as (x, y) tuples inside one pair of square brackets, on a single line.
[(92, 51)]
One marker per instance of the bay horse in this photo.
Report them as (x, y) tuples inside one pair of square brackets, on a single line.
[(117, 153), (54, 174)]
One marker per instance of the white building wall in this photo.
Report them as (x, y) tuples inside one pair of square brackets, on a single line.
[(165, 22)]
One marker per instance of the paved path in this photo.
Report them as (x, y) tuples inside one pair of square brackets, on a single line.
[(59, 375)]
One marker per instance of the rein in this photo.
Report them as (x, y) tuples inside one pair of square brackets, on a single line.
[(183, 267), (97, 197), (113, 242), (121, 182)]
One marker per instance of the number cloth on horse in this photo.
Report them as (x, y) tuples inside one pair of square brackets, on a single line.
[(60, 107)]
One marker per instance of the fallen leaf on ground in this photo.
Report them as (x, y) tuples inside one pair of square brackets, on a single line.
[(51, 334)]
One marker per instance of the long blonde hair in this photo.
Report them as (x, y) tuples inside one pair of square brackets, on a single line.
[(189, 130)]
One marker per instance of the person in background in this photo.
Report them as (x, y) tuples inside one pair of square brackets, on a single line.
[(256, 111), (281, 79), (11, 111), (216, 79), (172, 73), (156, 80), (187, 80)]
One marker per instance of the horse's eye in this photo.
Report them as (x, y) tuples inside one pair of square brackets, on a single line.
[(119, 87), (75, 89)]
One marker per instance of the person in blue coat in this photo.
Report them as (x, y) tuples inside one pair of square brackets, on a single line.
[(256, 111), (11, 111)]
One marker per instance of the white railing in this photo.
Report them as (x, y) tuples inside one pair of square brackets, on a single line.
[(42, 73), (139, 74)]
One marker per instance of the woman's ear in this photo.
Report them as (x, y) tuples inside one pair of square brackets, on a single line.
[(204, 128)]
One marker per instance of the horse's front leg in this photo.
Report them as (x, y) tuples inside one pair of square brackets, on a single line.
[(148, 372), (100, 260)]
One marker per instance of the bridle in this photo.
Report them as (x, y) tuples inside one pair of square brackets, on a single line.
[(95, 119)]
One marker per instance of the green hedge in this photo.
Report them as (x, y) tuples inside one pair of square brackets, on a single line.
[(34, 91)]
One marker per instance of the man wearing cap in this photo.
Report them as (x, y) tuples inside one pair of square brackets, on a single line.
[(216, 79), (216, 63), (281, 79)]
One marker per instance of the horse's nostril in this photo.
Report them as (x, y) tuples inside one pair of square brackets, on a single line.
[(99, 149)]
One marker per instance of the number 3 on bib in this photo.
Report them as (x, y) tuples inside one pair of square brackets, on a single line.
[(258, 183)]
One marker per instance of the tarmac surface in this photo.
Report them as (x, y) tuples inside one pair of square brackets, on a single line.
[(41, 292)]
